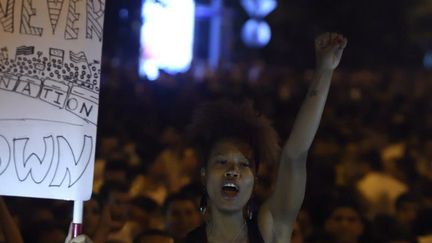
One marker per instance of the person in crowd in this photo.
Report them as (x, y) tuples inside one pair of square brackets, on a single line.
[(153, 236), (175, 164), (399, 227), (98, 219), (116, 200), (92, 215), (8, 227), (117, 171), (379, 188), (181, 216), (305, 224), (423, 225), (145, 214), (47, 231), (233, 139), (407, 206), (424, 159), (297, 235), (344, 224), (425, 189), (106, 216), (193, 190)]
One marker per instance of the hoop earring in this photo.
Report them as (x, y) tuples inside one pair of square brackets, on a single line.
[(251, 206), (251, 209), (203, 203)]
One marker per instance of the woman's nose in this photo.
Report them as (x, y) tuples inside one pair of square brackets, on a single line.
[(232, 172)]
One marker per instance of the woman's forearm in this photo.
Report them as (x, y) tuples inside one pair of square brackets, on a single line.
[(309, 115)]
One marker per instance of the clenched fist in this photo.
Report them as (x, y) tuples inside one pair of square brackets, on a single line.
[(329, 48)]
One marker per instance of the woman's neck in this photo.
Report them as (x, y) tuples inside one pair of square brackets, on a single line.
[(226, 225)]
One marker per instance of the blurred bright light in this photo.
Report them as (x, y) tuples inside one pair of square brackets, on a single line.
[(427, 60), (124, 13), (256, 33), (259, 8), (150, 69), (166, 37)]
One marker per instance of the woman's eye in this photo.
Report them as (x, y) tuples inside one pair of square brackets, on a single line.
[(221, 162), (245, 164)]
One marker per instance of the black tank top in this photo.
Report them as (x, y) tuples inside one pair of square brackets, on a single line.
[(199, 235)]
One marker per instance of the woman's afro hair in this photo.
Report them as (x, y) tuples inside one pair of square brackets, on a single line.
[(223, 119)]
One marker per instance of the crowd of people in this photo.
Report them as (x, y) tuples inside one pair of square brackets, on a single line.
[(369, 169)]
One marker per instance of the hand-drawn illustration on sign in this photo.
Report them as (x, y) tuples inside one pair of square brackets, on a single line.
[(50, 69)]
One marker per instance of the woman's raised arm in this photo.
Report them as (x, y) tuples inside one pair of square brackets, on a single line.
[(281, 209)]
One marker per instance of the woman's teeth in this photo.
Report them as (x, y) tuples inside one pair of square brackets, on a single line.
[(230, 187)]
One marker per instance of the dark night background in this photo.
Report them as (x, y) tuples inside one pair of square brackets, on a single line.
[(380, 33), (377, 121)]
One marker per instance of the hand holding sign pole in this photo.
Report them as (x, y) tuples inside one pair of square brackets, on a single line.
[(50, 54)]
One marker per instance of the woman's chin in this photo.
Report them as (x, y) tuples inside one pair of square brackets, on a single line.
[(230, 205), (230, 210)]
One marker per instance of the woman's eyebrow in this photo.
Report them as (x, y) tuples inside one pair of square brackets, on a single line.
[(218, 155)]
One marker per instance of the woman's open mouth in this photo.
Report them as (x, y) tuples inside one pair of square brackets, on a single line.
[(230, 190)]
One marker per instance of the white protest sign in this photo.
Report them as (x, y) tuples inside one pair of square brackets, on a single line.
[(50, 52)]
